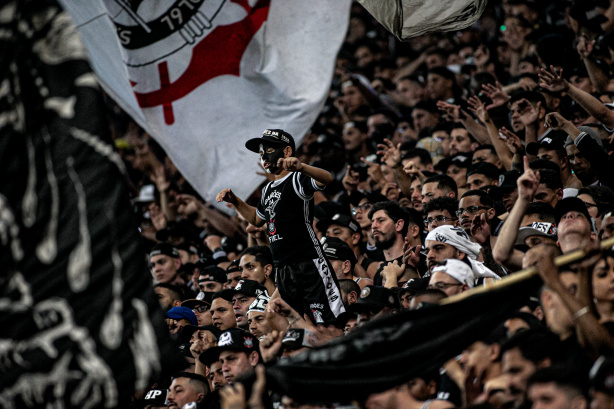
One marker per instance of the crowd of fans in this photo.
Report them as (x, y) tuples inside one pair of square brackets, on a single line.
[(456, 159)]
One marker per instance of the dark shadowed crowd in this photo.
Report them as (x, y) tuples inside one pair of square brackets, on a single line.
[(436, 165)]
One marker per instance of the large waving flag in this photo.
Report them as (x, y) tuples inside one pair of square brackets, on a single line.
[(81, 327), (411, 18), (203, 76)]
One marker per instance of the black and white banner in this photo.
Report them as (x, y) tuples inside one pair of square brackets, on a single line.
[(393, 350), (411, 18), (80, 325)]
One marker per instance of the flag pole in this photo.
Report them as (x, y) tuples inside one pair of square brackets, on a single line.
[(562, 260)]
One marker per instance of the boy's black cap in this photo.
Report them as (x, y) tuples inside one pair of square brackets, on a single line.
[(273, 137)]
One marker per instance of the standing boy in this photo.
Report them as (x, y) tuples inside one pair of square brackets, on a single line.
[(305, 278)]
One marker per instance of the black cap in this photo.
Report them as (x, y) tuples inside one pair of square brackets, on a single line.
[(414, 285), (155, 397), (187, 330), (233, 339), (213, 273), (340, 220), (507, 183), (245, 286), (570, 204), (166, 249), (374, 298), (549, 143), (233, 266), (460, 159), (273, 137), (205, 300), (337, 249)]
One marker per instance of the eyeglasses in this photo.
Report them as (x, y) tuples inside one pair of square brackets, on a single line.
[(589, 205), (438, 219), (441, 286), (470, 210), (201, 309), (363, 208)]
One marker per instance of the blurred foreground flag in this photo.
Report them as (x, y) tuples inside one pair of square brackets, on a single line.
[(81, 327), (410, 18), (204, 76)]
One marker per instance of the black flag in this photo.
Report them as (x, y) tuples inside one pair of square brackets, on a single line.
[(80, 324), (392, 350)]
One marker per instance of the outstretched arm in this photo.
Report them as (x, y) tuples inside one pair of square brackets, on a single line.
[(248, 212)]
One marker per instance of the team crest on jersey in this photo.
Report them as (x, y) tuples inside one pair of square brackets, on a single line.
[(272, 228)]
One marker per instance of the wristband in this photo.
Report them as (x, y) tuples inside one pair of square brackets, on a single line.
[(582, 311)]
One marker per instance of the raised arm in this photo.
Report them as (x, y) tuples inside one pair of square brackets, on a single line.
[(553, 81), (504, 251)]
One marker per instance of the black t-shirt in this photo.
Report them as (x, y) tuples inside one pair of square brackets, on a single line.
[(287, 207)]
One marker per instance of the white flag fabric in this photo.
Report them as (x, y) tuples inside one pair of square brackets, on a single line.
[(204, 76), (411, 18)]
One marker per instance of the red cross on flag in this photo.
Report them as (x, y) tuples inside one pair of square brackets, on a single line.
[(204, 76)]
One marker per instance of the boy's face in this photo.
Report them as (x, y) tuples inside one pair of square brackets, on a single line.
[(269, 156)]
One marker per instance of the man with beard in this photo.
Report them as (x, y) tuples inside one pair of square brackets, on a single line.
[(389, 224), (169, 295), (187, 387), (448, 242), (256, 317)]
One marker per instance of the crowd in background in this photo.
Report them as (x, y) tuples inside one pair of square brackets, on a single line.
[(457, 159)]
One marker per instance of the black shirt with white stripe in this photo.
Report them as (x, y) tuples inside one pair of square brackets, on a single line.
[(287, 207)]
